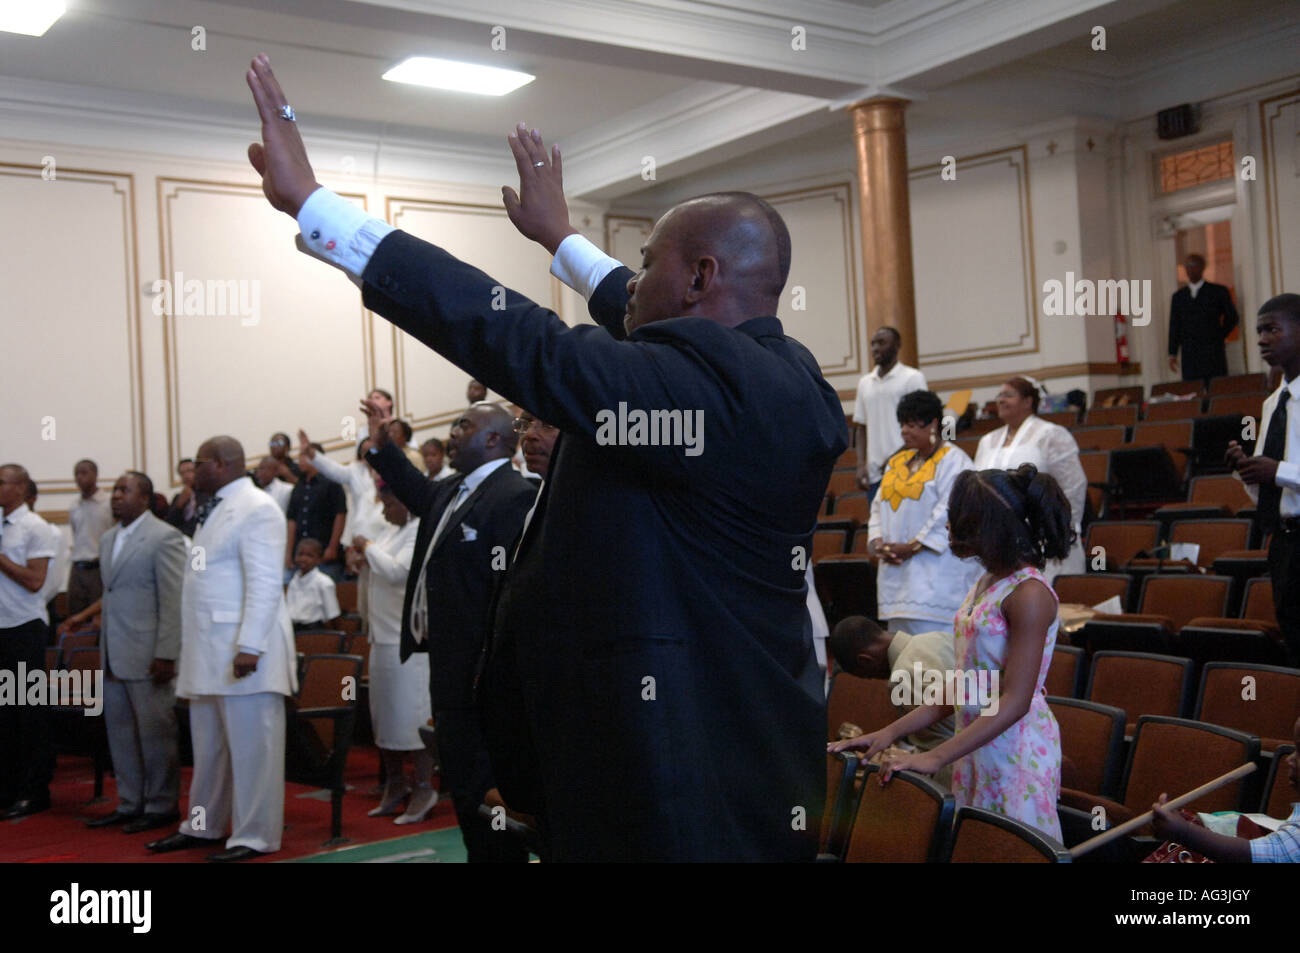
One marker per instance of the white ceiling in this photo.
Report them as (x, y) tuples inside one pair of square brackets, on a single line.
[(694, 83)]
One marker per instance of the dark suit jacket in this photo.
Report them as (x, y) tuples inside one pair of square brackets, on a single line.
[(1199, 326), (657, 607), (462, 572)]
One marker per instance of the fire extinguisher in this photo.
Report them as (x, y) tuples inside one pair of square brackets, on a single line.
[(1121, 340)]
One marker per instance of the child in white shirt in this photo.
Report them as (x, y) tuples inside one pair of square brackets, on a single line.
[(311, 597)]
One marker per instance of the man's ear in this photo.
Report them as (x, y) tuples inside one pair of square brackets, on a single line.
[(704, 273)]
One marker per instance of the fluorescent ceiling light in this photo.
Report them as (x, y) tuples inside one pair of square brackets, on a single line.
[(30, 17), (462, 77)]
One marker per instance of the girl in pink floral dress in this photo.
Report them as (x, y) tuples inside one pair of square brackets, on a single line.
[(1006, 753)]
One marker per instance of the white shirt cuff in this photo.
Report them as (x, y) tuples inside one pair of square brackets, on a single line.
[(579, 264), (1288, 475), (338, 232)]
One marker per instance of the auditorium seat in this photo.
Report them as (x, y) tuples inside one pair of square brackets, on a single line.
[(846, 585), (1244, 641), (849, 458), (1279, 795), (1240, 565), (1099, 438), (842, 481), (1173, 410), (1207, 497), (1212, 536), (73, 729), (1176, 387), (1181, 598), (1269, 711), (319, 641), (1239, 384), (826, 542), (1118, 397), (906, 821), (854, 507), (320, 728), (1258, 603), (979, 428), (1065, 672), (1240, 405), (1140, 683), (346, 591), (1174, 435), (1062, 418), (1121, 540), (1174, 756), (1090, 589), (72, 641), (1211, 434), (863, 702), (841, 773), (1096, 469), (986, 837), (1092, 739), (1110, 416)]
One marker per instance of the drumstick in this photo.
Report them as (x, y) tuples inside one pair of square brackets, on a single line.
[(1119, 831)]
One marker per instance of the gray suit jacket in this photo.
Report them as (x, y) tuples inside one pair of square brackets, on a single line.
[(141, 618)]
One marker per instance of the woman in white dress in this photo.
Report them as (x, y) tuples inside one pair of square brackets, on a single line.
[(920, 584), (399, 693), (1028, 438)]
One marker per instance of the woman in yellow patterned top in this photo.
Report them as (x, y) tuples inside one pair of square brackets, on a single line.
[(920, 584)]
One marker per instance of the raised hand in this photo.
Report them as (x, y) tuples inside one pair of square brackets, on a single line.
[(538, 209), (304, 445), (280, 158), (377, 421)]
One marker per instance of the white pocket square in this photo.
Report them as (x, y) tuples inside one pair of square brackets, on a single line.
[(470, 533)]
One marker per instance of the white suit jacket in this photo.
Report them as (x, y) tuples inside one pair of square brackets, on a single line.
[(232, 599)]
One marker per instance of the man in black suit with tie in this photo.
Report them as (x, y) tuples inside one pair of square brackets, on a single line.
[(1201, 316), (468, 526), (655, 614)]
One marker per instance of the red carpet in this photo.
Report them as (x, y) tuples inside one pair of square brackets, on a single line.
[(59, 834)]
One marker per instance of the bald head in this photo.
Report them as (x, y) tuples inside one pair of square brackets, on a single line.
[(724, 256), (485, 432), (220, 461)]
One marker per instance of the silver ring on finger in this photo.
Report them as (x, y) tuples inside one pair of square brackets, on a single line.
[(538, 165), (286, 112)]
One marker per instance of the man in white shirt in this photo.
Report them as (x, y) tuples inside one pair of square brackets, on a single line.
[(26, 751), (90, 517), (59, 564), (875, 412), (312, 599), (1275, 467)]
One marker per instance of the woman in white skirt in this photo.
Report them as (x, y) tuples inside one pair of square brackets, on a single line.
[(1027, 438), (399, 693), (920, 584)]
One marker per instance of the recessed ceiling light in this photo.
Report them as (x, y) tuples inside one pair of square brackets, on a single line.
[(30, 17), (462, 77)]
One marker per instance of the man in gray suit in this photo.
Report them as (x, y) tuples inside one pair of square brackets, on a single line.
[(142, 562)]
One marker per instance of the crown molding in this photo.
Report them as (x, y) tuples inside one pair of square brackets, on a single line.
[(707, 116)]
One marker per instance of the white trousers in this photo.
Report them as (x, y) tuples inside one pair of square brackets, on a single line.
[(238, 777)]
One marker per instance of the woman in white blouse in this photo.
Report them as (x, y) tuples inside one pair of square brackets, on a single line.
[(1027, 438), (920, 584), (399, 693)]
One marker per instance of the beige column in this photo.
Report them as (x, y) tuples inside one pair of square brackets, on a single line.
[(879, 136)]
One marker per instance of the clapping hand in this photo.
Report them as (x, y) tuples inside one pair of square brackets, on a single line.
[(280, 158), (538, 209)]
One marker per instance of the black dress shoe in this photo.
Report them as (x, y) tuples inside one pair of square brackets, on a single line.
[(234, 854), (149, 822), (26, 806), (177, 841), (108, 820)]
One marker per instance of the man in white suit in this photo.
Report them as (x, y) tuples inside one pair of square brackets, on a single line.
[(237, 662)]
